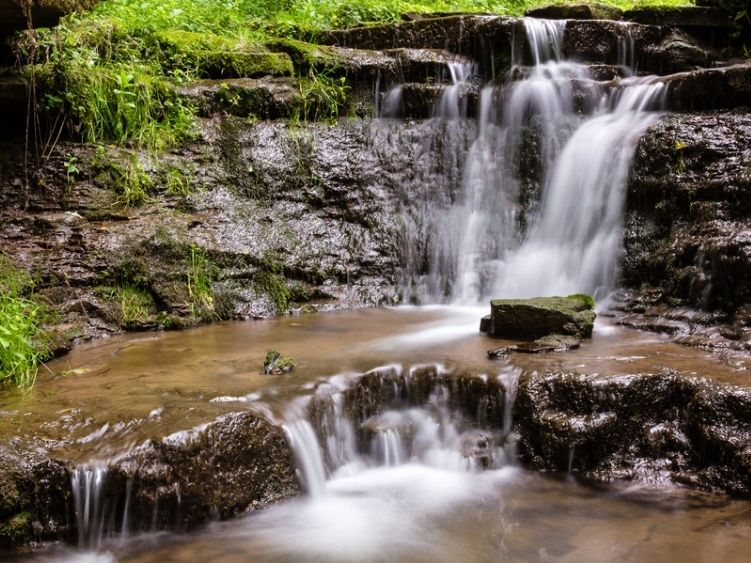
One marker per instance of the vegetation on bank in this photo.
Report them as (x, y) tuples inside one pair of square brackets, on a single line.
[(23, 342), (111, 74)]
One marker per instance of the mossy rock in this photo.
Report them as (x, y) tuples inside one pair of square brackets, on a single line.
[(307, 56), (213, 56), (532, 319), (17, 529)]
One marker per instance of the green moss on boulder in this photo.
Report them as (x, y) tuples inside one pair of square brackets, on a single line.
[(532, 319), (213, 56)]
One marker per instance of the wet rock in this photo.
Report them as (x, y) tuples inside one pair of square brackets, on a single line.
[(244, 458), (485, 39), (606, 427), (708, 89), (682, 16), (686, 231), (678, 51), (576, 12), (532, 319), (263, 98), (34, 498), (550, 343)]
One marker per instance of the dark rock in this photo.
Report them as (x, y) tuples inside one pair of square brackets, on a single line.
[(263, 98), (44, 13), (550, 343), (683, 16), (576, 12), (707, 89), (238, 462), (246, 460), (531, 319), (686, 230), (604, 427)]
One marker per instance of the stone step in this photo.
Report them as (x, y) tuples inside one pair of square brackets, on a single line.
[(490, 41)]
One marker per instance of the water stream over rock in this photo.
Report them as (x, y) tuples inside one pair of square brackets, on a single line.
[(485, 244), (421, 458)]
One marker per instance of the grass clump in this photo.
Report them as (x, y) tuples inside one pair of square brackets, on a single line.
[(274, 284), (125, 176), (23, 342), (201, 273), (112, 74)]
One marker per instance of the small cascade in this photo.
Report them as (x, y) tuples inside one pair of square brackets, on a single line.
[(453, 102), (408, 419), (391, 105), (627, 53), (308, 454), (88, 485)]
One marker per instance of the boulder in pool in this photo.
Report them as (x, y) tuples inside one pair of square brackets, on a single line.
[(532, 319)]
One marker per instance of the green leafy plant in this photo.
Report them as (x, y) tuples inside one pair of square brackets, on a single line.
[(23, 342), (71, 170), (125, 176)]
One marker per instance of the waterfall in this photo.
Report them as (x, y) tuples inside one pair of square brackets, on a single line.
[(541, 202), (574, 246)]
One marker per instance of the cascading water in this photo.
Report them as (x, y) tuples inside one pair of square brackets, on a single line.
[(88, 484), (332, 437), (541, 201)]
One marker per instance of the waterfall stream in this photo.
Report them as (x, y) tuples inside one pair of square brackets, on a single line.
[(541, 202)]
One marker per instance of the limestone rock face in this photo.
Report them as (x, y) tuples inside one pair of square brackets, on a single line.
[(531, 319)]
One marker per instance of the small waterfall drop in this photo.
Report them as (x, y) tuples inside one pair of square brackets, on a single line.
[(88, 485), (453, 102)]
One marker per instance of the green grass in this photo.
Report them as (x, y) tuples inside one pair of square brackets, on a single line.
[(23, 342), (200, 275)]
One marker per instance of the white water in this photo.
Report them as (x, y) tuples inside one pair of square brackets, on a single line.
[(88, 485), (497, 238)]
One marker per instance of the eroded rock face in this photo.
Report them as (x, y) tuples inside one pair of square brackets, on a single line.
[(687, 228), (650, 428)]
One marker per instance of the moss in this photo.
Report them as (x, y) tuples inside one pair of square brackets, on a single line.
[(275, 363), (17, 529), (214, 56), (274, 284), (307, 56), (587, 301)]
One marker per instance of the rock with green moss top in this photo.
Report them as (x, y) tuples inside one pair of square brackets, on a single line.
[(533, 319), (276, 364), (213, 56), (307, 56)]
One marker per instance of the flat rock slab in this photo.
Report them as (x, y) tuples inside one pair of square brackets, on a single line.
[(531, 319)]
